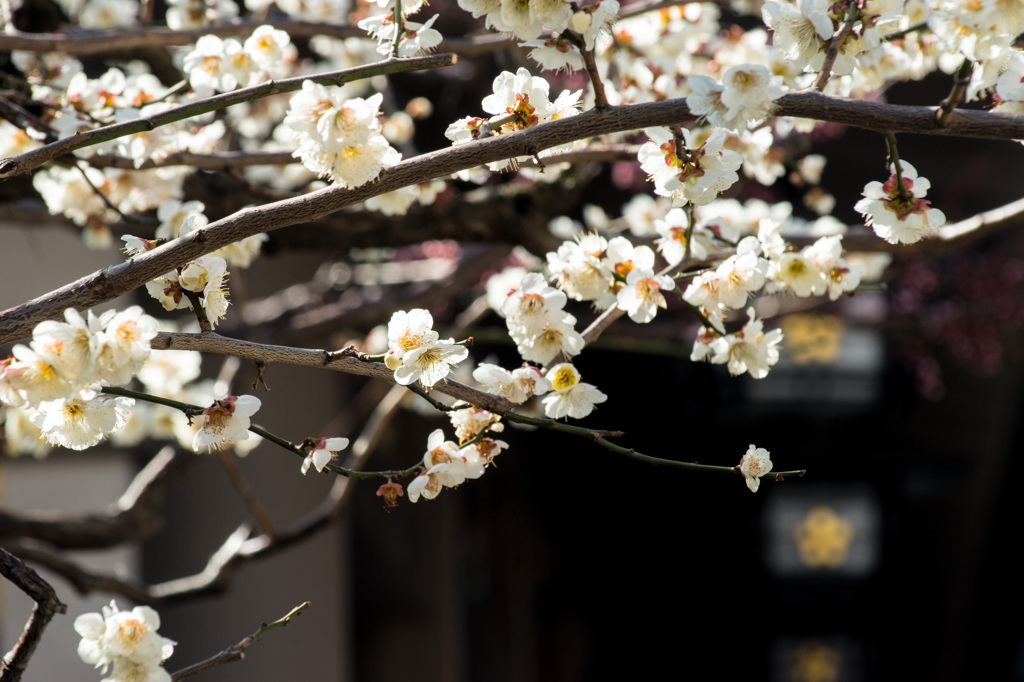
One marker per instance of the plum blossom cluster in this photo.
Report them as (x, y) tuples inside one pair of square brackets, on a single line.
[(519, 101), (749, 350), (804, 31), (221, 65), (201, 283), (446, 464), (416, 352), (686, 171), (125, 644), (897, 209), (528, 21), (745, 98), (610, 273), (339, 138), (56, 379), (402, 38), (537, 322)]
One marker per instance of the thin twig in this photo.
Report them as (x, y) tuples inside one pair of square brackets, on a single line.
[(600, 99), (958, 93), (832, 53), (237, 652)]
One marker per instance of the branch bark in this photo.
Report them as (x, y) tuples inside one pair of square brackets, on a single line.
[(47, 606), (118, 279)]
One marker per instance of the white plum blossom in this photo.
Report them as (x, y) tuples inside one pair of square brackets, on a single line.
[(699, 176), (641, 297), (416, 38), (321, 452), (445, 468), (339, 138), (519, 101), (671, 241), (225, 422), (125, 640), (416, 352), (430, 364), (841, 276), (517, 386), (799, 273), (900, 214), (410, 330), (81, 422), (749, 350), (556, 54), (579, 270), (800, 34), (749, 93), (569, 396), (753, 465), (470, 422)]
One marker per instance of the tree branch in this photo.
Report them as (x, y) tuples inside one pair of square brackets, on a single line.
[(237, 652), (118, 279), (47, 605), (106, 42), (35, 158)]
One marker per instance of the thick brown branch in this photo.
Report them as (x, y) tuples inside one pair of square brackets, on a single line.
[(83, 42), (47, 605), (267, 354), (119, 279)]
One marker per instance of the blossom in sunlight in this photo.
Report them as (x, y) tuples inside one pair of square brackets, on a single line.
[(800, 32), (337, 138), (322, 452), (445, 468), (749, 93), (430, 364), (569, 396), (755, 464), (750, 350), (900, 215), (408, 331), (81, 422), (124, 343), (126, 640), (841, 276), (698, 175), (416, 38), (517, 386), (556, 54), (224, 422), (470, 421), (641, 297)]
